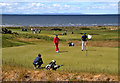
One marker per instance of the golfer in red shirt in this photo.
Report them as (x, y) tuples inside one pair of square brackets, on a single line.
[(56, 41)]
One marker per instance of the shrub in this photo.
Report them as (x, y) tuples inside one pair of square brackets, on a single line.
[(84, 28), (56, 29)]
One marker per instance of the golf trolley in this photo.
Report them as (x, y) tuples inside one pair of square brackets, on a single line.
[(52, 67)]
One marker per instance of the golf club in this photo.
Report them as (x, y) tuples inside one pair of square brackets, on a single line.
[(86, 48)]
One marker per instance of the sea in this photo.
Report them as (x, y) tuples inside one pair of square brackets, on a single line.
[(59, 20)]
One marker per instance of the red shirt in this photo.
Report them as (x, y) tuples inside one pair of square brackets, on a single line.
[(56, 40)]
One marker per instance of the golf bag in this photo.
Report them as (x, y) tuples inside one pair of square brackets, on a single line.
[(52, 66), (71, 44)]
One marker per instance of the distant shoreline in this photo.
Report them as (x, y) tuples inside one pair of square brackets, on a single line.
[(60, 14), (52, 26)]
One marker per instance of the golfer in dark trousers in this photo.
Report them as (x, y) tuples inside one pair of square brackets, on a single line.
[(38, 61)]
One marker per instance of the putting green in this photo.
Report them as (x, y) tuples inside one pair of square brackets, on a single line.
[(98, 59)]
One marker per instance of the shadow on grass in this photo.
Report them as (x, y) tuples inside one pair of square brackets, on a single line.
[(88, 50), (91, 50), (41, 68), (62, 51)]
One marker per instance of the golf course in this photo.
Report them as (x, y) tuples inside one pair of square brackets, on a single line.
[(21, 48)]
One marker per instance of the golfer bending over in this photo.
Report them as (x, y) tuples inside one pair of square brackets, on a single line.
[(38, 61), (56, 41), (84, 39)]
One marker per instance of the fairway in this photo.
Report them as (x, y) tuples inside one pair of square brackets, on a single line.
[(98, 59)]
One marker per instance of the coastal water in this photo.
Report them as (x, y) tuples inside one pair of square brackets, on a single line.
[(59, 20)]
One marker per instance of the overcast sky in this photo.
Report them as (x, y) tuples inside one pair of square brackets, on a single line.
[(59, 7)]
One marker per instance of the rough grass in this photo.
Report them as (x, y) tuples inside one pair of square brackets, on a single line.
[(97, 35)]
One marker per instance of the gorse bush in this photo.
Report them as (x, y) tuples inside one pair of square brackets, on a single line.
[(13, 27), (84, 28), (103, 28)]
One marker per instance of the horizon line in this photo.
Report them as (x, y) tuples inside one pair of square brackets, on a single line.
[(59, 14)]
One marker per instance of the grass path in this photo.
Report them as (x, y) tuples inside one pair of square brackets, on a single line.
[(99, 59)]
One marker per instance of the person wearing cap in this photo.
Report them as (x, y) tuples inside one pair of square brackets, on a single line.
[(56, 41), (38, 61), (84, 39)]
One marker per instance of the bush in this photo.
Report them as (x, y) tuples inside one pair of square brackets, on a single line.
[(84, 28), (14, 27), (56, 29), (103, 28), (6, 31)]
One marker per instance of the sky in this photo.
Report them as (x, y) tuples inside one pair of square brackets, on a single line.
[(58, 7)]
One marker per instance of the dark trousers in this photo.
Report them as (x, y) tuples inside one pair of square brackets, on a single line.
[(38, 64)]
